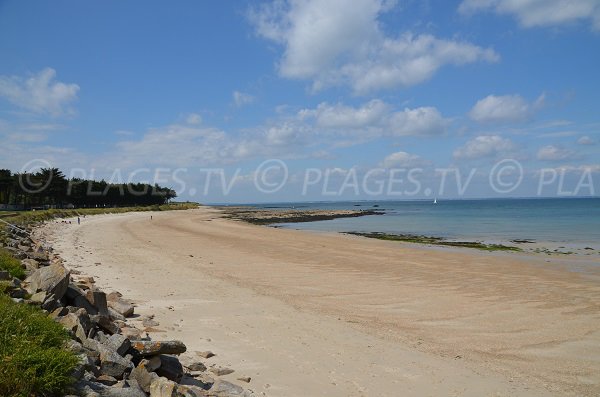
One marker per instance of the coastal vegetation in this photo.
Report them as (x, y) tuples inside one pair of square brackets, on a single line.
[(50, 188), (413, 238), (11, 265), (33, 359)]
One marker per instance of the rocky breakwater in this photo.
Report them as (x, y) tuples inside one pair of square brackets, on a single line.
[(115, 359)]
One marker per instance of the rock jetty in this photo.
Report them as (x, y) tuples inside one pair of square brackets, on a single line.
[(114, 359)]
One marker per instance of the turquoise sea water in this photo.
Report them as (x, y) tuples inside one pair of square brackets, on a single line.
[(573, 220)]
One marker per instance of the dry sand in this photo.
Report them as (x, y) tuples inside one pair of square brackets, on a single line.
[(307, 314)]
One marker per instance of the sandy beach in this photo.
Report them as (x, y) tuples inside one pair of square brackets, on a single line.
[(319, 314)]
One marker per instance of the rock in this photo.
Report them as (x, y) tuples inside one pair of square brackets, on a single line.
[(72, 323), (222, 388), (51, 303), (206, 354), (151, 363), (132, 333), (220, 371), (105, 324), (77, 297), (52, 279), (111, 363), (97, 389), (170, 368), (30, 265), (98, 299), (106, 380), (4, 275), (113, 296), (143, 377), (122, 307), (197, 366), (162, 387), (114, 315), (38, 297), (118, 343), (191, 391), (58, 312), (152, 348)]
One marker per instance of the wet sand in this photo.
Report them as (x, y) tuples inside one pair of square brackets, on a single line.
[(318, 314)]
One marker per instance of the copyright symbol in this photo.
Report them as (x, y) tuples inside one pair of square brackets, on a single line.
[(266, 172), (34, 185), (506, 176)]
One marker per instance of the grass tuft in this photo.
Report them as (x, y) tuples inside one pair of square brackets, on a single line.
[(12, 265), (32, 358)]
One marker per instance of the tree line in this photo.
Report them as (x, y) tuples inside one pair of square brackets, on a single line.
[(49, 188)]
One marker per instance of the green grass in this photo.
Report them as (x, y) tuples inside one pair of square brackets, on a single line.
[(12, 265), (412, 238), (32, 358)]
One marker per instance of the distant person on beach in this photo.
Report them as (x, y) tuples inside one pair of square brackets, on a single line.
[(150, 217), (78, 221)]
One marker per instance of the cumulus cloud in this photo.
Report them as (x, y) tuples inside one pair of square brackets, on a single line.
[(554, 153), (586, 140), (334, 44), (240, 99), (504, 109), (534, 13), (403, 160), (40, 93), (484, 146), (377, 118)]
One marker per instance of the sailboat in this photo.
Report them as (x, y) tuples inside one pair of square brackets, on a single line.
[(434, 201)]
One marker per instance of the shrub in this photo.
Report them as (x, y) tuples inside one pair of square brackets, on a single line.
[(32, 358)]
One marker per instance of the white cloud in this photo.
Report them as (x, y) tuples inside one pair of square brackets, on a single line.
[(240, 99), (40, 93), (484, 146), (403, 160), (533, 13), (554, 153), (332, 43), (419, 121), (504, 109), (342, 116), (376, 118), (586, 140)]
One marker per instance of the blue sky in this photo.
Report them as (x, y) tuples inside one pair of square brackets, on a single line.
[(198, 95)]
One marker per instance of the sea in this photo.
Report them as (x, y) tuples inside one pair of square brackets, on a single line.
[(571, 221)]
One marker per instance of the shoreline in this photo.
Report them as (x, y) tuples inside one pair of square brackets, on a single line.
[(288, 218), (265, 299)]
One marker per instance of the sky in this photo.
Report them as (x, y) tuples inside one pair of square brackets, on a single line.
[(301, 100)]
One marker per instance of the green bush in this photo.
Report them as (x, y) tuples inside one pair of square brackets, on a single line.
[(12, 265), (32, 358)]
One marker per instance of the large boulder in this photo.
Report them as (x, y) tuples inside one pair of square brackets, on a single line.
[(152, 348), (118, 343), (53, 279), (170, 368), (222, 388), (162, 387), (122, 307)]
